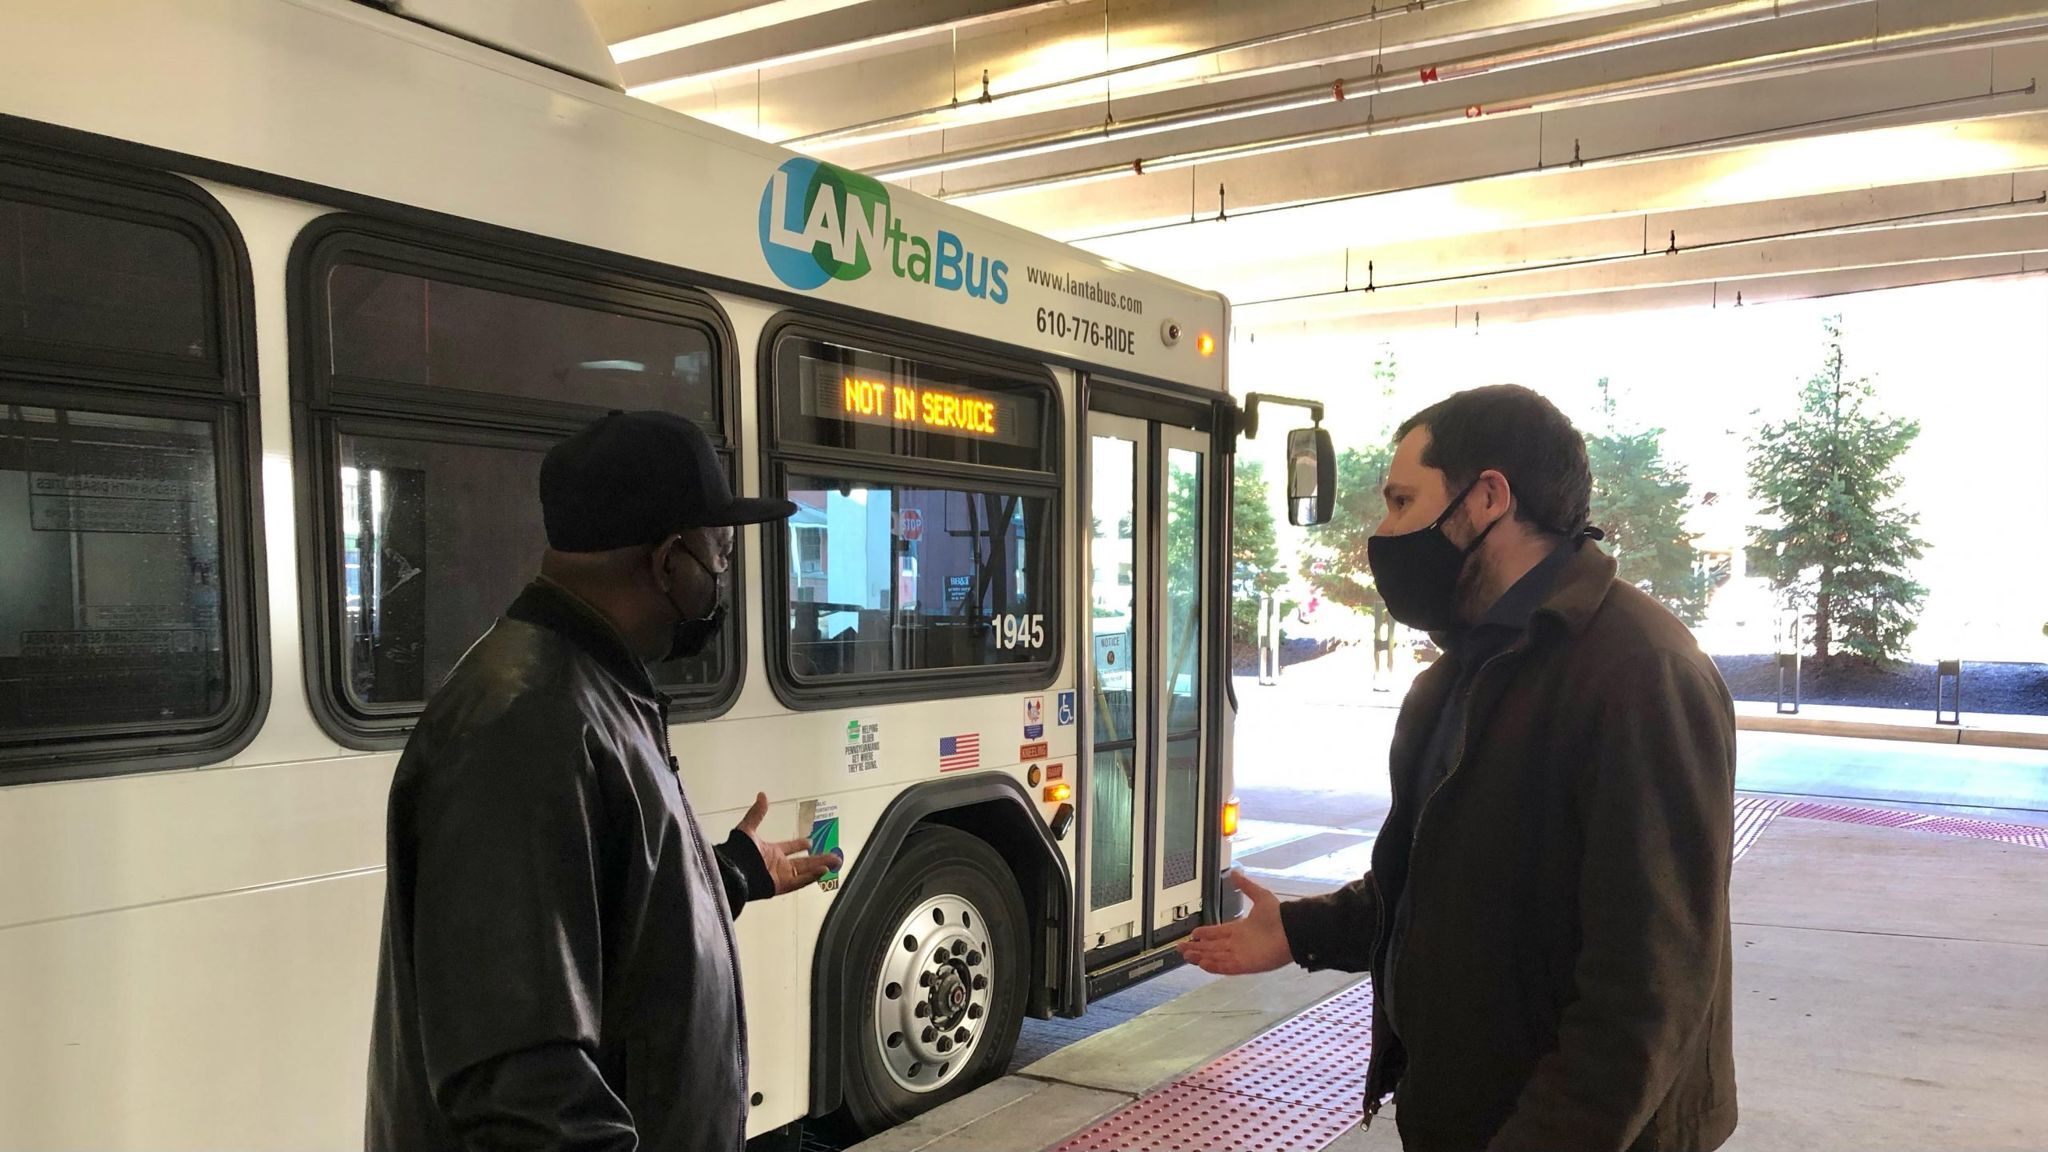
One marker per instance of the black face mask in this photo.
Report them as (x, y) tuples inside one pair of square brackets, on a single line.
[(1417, 572), (689, 637)]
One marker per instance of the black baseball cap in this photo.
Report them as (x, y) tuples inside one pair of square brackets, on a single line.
[(635, 478)]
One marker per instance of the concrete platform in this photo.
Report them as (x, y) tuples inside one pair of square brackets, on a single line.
[(1891, 993), (1063, 1093)]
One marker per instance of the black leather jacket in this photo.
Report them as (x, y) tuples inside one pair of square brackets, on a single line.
[(558, 968)]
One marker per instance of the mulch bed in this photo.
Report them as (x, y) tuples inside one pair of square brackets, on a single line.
[(2012, 689)]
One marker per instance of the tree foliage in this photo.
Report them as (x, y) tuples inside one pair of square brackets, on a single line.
[(1839, 546), (1254, 550), (1640, 501), (1333, 561)]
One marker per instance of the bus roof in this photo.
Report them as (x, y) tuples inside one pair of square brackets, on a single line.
[(337, 95)]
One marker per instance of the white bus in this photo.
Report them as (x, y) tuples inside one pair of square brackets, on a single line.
[(293, 296)]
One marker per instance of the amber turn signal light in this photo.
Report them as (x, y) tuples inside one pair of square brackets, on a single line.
[(1230, 818), (1059, 792)]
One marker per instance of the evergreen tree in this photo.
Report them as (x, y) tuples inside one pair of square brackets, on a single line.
[(1254, 551), (1841, 546), (1640, 500)]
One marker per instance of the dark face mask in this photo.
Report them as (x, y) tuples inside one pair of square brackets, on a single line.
[(1417, 572), (690, 636)]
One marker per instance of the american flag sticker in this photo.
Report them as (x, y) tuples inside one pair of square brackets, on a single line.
[(958, 752)]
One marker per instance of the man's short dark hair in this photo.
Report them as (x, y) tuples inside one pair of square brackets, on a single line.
[(1521, 435)]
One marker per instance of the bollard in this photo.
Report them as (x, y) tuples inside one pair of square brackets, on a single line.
[(1268, 644), (1789, 641), (1788, 662), (1948, 672)]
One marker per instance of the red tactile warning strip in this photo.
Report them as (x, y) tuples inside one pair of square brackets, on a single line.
[(2031, 836), (1300, 1086)]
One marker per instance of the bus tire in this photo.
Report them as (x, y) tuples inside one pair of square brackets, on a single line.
[(940, 970)]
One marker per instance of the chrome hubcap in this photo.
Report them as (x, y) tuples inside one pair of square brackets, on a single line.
[(932, 999)]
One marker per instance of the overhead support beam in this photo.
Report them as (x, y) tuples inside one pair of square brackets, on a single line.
[(1729, 266), (2002, 28), (1376, 82), (1731, 297), (1478, 259), (865, 25), (1994, 146)]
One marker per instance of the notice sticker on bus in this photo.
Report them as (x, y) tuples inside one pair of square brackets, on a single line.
[(863, 747), (818, 822)]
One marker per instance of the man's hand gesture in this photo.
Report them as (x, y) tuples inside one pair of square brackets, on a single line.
[(1255, 943), (789, 861)]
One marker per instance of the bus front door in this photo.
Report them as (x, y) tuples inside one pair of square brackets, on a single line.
[(1144, 785)]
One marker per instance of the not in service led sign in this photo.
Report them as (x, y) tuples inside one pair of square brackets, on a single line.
[(933, 408)]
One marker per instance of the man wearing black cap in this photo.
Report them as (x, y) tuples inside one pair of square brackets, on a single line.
[(558, 968)]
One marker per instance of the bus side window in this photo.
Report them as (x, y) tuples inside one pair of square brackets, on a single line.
[(127, 593), (925, 546), (948, 593), (443, 373)]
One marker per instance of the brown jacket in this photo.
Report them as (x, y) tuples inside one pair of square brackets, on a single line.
[(1564, 980)]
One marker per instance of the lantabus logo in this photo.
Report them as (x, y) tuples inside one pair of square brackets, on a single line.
[(821, 222)]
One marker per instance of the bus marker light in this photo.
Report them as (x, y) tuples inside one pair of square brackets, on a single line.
[(1230, 818), (1059, 793)]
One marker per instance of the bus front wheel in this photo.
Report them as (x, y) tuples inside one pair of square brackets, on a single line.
[(941, 969)]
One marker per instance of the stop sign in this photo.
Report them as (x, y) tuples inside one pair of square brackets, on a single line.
[(910, 524)]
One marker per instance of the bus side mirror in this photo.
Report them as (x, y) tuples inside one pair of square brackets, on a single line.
[(1311, 477)]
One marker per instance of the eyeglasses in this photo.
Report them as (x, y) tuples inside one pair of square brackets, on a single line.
[(720, 562)]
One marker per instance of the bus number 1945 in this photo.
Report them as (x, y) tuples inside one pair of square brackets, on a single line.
[(1013, 632)]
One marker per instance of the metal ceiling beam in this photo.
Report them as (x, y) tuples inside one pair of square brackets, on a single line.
[(863, 26), (1520, 249), (1910, 43), (1727, 267), (1850, 162), (1742, 14), (1751, 293), (890, 82)]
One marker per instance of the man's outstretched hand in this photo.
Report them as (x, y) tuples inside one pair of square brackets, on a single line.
[(789, 861), (1255, 943)]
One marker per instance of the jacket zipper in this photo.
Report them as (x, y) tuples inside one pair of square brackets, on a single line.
[(1379, 922), (732, 952), (1372, 1106)]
